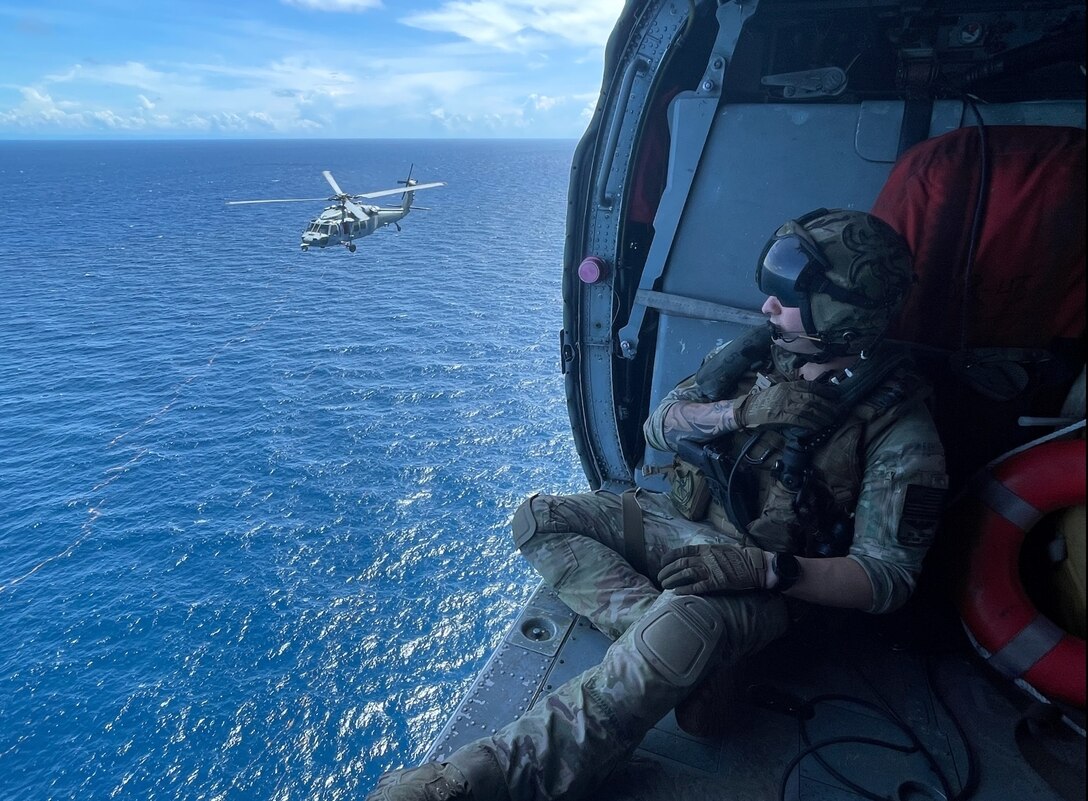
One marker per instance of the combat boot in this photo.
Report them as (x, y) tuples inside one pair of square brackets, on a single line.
[(430, 782), (471, 774)]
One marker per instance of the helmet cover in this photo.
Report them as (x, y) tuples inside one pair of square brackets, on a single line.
[(869, 262)]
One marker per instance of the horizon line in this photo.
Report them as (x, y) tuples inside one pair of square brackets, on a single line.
[(5, 139)]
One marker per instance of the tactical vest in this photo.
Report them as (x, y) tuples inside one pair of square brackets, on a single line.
[(818, 521), (837, 471)]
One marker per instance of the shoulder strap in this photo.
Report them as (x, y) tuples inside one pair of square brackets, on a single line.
[(903, 385)]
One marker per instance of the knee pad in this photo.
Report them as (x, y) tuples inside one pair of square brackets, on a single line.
[(679, 637), (524, 524)]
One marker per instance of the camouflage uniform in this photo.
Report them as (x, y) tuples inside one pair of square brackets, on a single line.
[(885, 462), (570, 740)]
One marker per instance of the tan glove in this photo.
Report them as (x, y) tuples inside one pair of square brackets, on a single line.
[(806, 404), (706, 569)]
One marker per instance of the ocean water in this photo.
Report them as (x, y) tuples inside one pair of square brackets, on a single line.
[(253, 501)]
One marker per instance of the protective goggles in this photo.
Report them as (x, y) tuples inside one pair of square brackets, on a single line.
[(790, 268)]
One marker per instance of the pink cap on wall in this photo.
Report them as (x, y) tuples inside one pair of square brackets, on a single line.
[(592, 270)]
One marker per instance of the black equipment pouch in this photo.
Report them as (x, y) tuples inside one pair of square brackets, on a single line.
[(734, 490)]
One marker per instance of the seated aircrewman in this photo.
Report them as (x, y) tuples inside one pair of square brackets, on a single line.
[(808, 468)]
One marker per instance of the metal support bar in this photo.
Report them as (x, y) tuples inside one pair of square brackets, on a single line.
[(681, 306), (702, 105)]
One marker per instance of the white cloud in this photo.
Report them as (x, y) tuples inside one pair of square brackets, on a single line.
[(476, 123), (39, 112), (543, 102), (38, 108), (474, 83), (523, 24), (132, 74), (335, 5), (287, 96)]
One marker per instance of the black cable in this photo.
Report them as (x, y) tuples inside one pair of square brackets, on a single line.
[(730, 509), (849, 784), (916, 746), (793, 763), (934, 765), (894, 718), (970, 784), (885, 712)]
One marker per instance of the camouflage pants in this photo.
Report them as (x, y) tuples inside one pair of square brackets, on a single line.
[(570, 740)]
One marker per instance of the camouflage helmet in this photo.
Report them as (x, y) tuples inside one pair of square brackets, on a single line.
[(848, 271)]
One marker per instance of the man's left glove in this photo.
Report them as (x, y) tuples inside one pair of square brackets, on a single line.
[(705, 569)]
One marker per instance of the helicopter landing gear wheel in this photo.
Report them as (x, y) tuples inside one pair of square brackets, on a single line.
[(351, 247)]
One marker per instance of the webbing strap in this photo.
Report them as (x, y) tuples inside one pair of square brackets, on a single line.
[(1009, 505), (917, 115), (634, 535), (1020, 654)]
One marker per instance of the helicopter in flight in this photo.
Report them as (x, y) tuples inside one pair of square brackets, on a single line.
[(347, 220)]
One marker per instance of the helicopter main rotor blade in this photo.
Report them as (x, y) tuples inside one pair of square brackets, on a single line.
[(400, 191), (332, 182), (278, 200), (358, 211)]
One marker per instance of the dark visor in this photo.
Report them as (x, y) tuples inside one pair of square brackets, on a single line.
[(788, 268)]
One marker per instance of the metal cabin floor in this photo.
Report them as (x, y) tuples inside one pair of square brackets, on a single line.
[(898, 662)]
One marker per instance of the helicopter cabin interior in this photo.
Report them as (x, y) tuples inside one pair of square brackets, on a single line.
[(961, 124)]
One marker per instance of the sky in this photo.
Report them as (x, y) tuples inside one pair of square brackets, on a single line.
[(213, 69)]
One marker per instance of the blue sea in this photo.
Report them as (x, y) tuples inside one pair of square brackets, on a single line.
[(254, 501)]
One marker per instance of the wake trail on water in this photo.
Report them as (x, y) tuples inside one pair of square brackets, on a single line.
[(115, 472)]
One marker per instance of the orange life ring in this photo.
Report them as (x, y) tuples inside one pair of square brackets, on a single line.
[(1013, 635)]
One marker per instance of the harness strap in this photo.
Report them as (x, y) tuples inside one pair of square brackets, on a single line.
[(634, 534)]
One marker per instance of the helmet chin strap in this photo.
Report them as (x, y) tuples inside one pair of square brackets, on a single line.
[(783, 335), (827, 351)]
